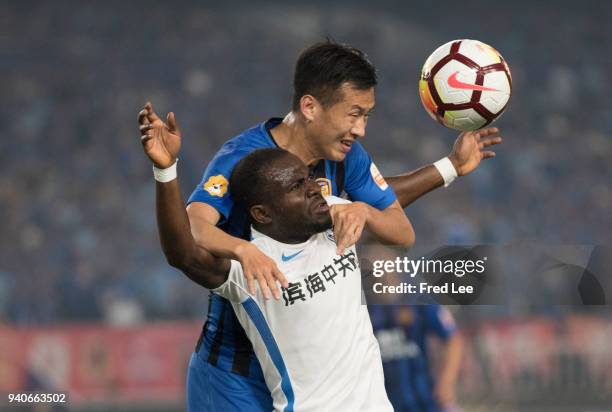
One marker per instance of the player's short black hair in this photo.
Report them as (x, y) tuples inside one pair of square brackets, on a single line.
[(323, 67), (247, 183)]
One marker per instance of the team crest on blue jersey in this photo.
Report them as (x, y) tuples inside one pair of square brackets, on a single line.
[(404, 316), (325, 185), (216, 185)]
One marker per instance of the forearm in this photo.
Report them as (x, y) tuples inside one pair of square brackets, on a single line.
[(390, 225), (177, 242), (209, 237), (410, 186), (257, 267), (452, 359)]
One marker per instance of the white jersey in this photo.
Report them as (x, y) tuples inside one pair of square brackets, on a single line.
[(315, 345)]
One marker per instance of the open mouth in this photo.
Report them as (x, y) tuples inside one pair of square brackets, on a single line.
[(346, 145), (320, 206)]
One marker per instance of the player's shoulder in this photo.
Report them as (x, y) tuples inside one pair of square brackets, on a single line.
[(356, 160), (357, 152), (253, 138), (440, 314)]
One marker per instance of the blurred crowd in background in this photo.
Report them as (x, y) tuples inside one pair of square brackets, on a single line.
[(79, 241)]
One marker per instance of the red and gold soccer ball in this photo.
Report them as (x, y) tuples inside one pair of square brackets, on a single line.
[(465, 84)]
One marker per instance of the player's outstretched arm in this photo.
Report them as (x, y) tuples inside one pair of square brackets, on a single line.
[(206, 242), (161, 142), (178, 244), (469, 150)]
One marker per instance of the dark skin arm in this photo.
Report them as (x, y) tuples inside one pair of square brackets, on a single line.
[(177, 242), (469, 150), (161, 143), (410, 186)]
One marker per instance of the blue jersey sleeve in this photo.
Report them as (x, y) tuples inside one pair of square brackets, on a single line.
[(363, 181), (440, 321), (214, 188)]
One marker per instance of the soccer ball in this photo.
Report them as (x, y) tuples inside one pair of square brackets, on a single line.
[(465, 84)]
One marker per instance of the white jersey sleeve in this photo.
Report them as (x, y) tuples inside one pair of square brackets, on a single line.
[(235, 288)]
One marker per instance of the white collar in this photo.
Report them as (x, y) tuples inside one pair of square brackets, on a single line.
[(258, 235)]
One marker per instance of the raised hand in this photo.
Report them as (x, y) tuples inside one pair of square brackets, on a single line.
[(472, 147), (160, 141)]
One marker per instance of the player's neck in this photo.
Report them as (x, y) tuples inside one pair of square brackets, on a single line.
[(291, 136), (283, 236)]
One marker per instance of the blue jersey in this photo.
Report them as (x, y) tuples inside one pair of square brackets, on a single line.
[(223, 341), (401, 332)]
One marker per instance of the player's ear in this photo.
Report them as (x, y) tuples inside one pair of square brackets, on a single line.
[(260, 214), (308, 106)]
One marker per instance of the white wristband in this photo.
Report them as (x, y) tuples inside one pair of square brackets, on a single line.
[(165, 175), (447, 170)]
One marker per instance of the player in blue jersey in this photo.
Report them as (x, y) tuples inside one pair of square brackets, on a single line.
[(402, 333), (333, 97)]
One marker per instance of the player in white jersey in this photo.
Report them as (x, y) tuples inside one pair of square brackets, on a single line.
[(315, 345)]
